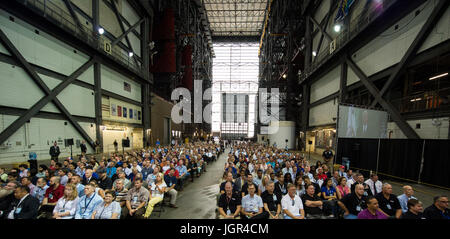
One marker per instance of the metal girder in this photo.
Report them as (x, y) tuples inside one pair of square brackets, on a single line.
[(119, 38), (50, 95), (396, 116), (98, 104), (321, 28), (68, 4), (343, 81), (116, 12), (435, 16)]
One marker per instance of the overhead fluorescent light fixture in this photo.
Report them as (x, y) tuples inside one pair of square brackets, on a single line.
[(439, 76)]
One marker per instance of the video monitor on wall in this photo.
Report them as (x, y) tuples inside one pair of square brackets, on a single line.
[(355, 122)]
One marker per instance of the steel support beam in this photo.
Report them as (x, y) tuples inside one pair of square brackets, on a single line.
[(116, 12), (125, 34), (431, 22), (35, 77), (402, 124), (321, 28), (68, 4), (343, 82), (98, 104)]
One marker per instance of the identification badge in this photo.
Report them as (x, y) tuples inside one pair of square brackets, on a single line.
[(135, 199), (389, 206), (228, 212), (50, 196), (274, 197), (18, 210), (365, 193), (358, 208)]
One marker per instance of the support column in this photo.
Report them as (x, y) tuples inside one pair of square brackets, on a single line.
[(98, 104), (343, 82), (146, 115), (305, 111)]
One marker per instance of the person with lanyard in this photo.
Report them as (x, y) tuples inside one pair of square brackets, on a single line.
[(389, 203), (171, 181), (229, 203), (407, 195), (109, 208), (415, 210), (25, 206), (39, 191), (53, 193), (280, 186), (88, 203), (252, 205), (439, 209), (76, 180), (157, 189), (137, 198), (272, 201), (67, 205), (353, 203), (329, 195), (292, 204)]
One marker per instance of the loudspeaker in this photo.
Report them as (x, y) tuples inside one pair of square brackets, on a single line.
[(310, 142), (125, 143), (68, 142), (287, 140)]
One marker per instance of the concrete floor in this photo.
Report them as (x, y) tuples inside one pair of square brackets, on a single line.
[(198, 199)]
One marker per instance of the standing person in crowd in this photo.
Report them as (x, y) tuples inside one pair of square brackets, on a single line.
[(229, 203), (342, 189), (372, 211), (88, 203), (24, 207), (360, 180), (408, 193), (137, 199), (292, 204), (109, 208), (252, 205), (389, 203), (375, 185), (415, 210), (312, 203), (327, 155), (83, 147), (66, 206), (157, 189), (116, 146), (52, 195), (272, 201), (54, 152), (353, 203), (39, 191), (439, 209), (171, 182)]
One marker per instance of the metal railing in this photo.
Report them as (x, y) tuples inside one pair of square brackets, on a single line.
[(347, 34), (431, 100), (64, 20)]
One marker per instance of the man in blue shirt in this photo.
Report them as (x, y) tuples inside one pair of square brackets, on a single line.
[(87, 203), (408, 193), (110, 170), (146, 169), (183, 174), (171, 182)]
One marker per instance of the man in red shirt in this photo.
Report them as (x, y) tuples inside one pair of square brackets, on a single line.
[(321, 174), (51, 197)]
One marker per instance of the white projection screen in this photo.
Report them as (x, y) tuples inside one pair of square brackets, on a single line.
[(355, 122)]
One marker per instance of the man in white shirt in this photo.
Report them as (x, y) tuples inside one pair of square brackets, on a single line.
[(252, 204), (351, 180), (374, 184), (292, 204)]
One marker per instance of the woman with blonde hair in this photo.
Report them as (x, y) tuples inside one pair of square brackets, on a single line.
[(66, 206), (157, 189), (262, 187)]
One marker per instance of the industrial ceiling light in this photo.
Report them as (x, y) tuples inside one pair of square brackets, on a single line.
[(337, 28), (130, 54), (438, 76), (284, 76), (314, 53), (101, 30)]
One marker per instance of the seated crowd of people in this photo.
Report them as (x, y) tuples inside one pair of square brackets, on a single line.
[(261, 182), (115, 186)]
